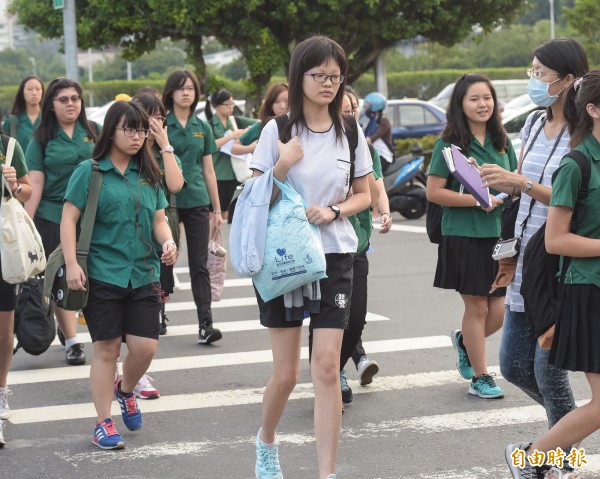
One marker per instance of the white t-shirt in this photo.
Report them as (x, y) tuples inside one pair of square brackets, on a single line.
[(321, 177)]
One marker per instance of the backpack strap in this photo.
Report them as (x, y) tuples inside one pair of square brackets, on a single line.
[(586, 169), (89, 215), (282, 121)]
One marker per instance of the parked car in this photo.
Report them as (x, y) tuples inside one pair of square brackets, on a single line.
[(515, 122), (516, 104), (414, 118), (506, 90)]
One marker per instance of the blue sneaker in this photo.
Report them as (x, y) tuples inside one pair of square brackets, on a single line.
[(132, 416), (346, 390), (267, 460), (485, 387), (462, 361), (106, 436)]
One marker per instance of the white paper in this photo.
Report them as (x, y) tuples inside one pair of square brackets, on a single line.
[(226, 148), (447, 152)]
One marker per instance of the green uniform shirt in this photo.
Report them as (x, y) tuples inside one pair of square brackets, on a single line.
[(58, 162), (565, 187), (191, 144), (222, 161), (24, 128), (121, 251), (18, 160), (362, 222), (472, 222), (252, 134)]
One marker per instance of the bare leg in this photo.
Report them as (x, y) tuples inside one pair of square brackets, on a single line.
[(495, 316), (7, 319), (325, 370), (474, 329), (285, 344), (102, 375), (140, 352), (67, 322)]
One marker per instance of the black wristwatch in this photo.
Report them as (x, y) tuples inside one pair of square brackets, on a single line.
[(336, 210)]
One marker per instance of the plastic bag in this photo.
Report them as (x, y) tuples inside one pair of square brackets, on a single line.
[(294, 253), (216, 264)]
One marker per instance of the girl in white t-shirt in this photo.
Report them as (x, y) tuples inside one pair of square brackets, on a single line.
[(315, 158)]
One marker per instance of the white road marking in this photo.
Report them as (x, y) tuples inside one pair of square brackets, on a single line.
[(225, 327), (183, 363), (404, 228)]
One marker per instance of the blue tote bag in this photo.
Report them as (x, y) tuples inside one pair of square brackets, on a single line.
[(294, 253)]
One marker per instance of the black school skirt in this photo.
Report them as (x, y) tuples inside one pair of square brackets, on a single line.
[(575, 345), (466, 265)]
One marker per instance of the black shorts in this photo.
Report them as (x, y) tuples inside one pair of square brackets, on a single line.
[(50, 233), (336, 291), (8, 294), (113, 312)]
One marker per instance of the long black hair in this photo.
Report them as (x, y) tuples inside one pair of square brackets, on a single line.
[(46, 131), (175, 81), (19, 105), (566, 56), (132, 116), (457, 129), (308, 54)]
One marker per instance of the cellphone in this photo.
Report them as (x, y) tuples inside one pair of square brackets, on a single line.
[(506, 248)]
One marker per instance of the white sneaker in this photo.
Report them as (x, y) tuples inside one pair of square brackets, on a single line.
[(2, 442), (144, 389), (366, 370), (4, 409)]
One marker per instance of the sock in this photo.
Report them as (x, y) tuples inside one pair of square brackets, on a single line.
[(121, 391), (71, 341)]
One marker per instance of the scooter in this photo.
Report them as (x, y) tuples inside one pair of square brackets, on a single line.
[(405, 183)]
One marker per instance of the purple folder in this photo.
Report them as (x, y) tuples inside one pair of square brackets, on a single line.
[(467, 174)]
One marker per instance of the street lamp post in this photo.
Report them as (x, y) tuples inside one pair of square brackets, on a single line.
[(551, 19), (33, 65)]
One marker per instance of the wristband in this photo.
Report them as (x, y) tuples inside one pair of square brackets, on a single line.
[(217, 212), (170, 242), (18, 189)]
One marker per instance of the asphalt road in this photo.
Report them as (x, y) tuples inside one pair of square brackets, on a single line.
[(416, 420)]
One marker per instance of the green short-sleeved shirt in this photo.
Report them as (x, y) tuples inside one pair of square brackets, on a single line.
[(191, 144), (24, 128), (57, 163), (565, 187), (472, 222), (252, 134), (222, 161), (18, 159), (119, 250), (362, 222)]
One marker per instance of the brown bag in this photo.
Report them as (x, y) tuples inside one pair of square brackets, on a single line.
[(506, 273)]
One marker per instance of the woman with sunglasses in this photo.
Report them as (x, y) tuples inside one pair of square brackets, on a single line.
[(63, 139), (25, 113), (195, 145), (225, 128), (123, 266)]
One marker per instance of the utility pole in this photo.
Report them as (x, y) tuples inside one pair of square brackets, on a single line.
[(551, 19), (70, 36), (381, 75)]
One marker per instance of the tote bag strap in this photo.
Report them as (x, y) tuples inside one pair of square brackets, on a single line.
[(287, 190), (89, 215), (8, 160)]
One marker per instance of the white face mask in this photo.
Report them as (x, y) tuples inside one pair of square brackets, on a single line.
[(538, 92)]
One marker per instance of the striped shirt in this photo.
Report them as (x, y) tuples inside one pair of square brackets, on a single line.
[(532, 168)]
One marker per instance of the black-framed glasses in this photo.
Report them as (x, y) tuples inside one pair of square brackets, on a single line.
[(189, 89), (64, 100), (322, 77), (132, 131), (531, 73), (162, 119)]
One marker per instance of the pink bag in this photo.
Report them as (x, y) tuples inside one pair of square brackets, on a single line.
[(216, 263)]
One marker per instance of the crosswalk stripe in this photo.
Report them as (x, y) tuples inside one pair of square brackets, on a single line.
[(404, 228), (183, 363), (225, 327), (238, 397)]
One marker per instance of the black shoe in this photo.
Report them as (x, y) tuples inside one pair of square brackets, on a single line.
[(75, 355), (346, 390), (208, 334), (163, 325)]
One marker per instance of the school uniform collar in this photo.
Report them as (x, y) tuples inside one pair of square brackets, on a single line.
[(173, 121), (592, 145), (106, 165)]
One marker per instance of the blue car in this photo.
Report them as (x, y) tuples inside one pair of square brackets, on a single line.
[(414, 118)]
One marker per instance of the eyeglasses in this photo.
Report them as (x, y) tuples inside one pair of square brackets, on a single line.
[(531, 73), (281, 102), (132, 131), (162, 119), (351, 111), (189, 89), (322, 78), (228, 103), (64, 100)]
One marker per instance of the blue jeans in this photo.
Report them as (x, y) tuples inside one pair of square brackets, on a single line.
[(524, 364)]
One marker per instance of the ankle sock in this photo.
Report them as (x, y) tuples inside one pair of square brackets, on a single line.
[(71, 341)]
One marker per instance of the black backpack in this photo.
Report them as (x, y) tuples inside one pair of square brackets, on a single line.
[(34, 325), (540, 289), (351, 131)]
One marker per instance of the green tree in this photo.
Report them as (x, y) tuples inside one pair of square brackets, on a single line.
[(585, 18), (265, 31)]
